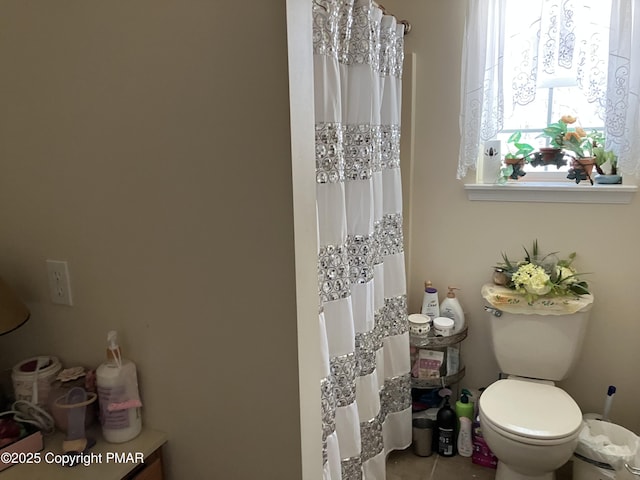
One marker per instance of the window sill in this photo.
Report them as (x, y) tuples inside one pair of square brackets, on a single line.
[(551, 192)]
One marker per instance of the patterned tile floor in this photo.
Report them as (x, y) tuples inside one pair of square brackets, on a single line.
[(405, 465)]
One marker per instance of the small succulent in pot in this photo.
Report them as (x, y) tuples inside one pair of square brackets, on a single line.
[(606, 161)]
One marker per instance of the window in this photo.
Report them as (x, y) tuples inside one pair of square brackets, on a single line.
[(526, 64), (553, 66)]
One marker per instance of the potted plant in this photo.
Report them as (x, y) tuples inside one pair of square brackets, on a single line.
[(556, 133), (515, 160), (576, 143), (606, 161), (521, 153), (606, 166)]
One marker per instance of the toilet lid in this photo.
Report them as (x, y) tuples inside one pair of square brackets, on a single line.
[(529, 409)]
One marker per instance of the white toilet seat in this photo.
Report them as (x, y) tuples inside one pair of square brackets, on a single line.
[(530, 412)]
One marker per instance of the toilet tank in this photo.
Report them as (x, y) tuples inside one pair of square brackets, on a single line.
[(538, 346)]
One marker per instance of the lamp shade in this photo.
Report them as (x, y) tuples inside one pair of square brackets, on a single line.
[(13, 312)]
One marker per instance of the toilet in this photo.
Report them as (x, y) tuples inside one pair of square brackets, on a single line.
[(529, 423)]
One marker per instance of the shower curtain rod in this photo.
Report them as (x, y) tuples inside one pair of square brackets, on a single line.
[(407, 25)]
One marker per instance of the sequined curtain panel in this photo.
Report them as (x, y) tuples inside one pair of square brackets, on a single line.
[(366, 401)]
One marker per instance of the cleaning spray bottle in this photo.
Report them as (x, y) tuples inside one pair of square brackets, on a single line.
[(118, 395), (464, 412), (450, 307), (430, 305), (446, 421)]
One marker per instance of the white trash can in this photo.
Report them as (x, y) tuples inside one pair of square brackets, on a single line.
[(602, 451)]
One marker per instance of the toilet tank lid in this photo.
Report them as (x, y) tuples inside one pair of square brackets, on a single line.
[(510, 301), (530, 409)]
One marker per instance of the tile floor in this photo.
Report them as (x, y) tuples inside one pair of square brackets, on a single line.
[(405, 465)]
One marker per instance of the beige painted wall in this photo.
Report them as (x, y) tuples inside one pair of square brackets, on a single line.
[(137, 143), (454, 241), (148, 144)]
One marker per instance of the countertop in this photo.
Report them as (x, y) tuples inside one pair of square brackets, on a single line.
[(104, 461)]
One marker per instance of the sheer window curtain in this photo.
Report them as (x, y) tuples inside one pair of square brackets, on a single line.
[(623, 90), (365, 387), (552, 38)]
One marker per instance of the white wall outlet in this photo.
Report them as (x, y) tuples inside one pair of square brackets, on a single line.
[(59, 285)]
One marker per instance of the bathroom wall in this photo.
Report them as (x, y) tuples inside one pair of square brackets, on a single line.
[(453, 241), (148, 144)]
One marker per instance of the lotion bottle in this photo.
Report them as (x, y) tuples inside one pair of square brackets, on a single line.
[(117, 383), (446, 420), (430, 305), (450, 307), (465, 445), (464, 408)]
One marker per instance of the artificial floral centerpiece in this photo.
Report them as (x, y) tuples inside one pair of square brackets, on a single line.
[(540, 275)]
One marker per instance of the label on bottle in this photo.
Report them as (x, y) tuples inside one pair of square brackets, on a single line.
[(448, 312), (430, 306), (116, 419), (445, 442)]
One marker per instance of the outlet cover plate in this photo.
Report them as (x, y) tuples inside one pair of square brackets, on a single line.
[(59, 284)]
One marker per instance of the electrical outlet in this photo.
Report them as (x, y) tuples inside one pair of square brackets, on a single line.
[(59, 285)]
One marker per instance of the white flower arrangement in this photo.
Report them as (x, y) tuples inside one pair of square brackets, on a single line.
[(539, 276)]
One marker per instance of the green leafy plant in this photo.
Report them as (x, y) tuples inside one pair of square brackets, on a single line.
[(518, 149), (555, 132), (519, 155), (541, 275), (571, 139), (606, 160), (522, 153), (511, 171)]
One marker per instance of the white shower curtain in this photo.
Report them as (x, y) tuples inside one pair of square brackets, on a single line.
[(366, 398)]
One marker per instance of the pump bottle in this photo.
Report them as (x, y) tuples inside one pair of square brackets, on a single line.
[(464, 407), (430, 305), (464, 413), (446, 420), (118, 395), (450, 307)]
